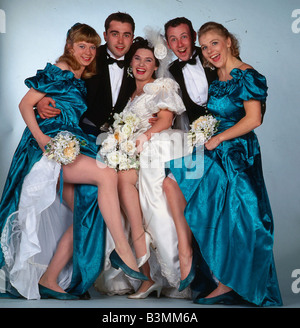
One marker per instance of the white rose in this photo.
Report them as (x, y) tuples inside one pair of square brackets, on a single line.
[(132, 120), (109, 143), (199, 123), (160, 51), (126, 131), (128, 147), (113, 159)]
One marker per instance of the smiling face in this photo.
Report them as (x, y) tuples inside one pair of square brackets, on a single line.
[(143, 65), (215, 48), (180, 41), (83, 52), (119, 38)]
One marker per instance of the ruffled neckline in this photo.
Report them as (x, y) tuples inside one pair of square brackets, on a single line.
[(237, 74), (165, 83), (239, 77), (61, 74), (159, 84)]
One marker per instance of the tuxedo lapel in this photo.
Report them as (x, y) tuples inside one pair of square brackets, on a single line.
[(127, 88), (176, 71), (104, 76), (99, 94)]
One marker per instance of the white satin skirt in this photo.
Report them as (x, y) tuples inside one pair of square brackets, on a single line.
[(31, 234)]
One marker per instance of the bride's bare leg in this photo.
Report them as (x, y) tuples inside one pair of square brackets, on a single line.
[(130, 203), (177, 205)]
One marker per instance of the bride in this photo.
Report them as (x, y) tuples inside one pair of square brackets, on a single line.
[(140, 191)]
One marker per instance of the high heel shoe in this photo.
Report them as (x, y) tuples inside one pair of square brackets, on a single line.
[(189, 279), (117, 263), (50, 293), (228, 298), (141, 295), (148, 240)]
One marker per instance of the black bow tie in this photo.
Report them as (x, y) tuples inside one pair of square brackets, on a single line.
[(111, 60), (191, 61)]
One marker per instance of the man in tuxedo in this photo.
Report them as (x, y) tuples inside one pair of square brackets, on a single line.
[(109, 90), (187, 69), (194, 81)]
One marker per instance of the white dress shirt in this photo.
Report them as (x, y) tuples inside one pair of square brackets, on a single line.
[(196, 82), (116, 76)]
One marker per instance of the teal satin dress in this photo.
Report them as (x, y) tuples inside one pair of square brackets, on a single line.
[(228, 209), (89, 228)]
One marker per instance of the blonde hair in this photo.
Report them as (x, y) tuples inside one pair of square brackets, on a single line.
[(80, 32), (221, 30)]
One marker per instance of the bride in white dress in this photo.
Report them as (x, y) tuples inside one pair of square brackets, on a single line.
[(148, 219)]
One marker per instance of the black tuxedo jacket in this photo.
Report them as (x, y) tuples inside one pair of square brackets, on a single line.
[(193, 110), (99, 95)]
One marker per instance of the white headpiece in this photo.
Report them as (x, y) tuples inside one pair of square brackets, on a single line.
[(161, 50)]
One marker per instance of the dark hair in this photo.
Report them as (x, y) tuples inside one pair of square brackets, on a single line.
[(176, 22), (140, 43), (220, 29), (119, 17), (80, 32)]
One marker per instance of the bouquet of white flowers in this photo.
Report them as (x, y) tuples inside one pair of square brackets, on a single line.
[(119, 149), (202, 130), (63, 148)]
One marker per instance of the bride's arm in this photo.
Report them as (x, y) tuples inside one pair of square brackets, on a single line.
[(26, 108), (163, 121)]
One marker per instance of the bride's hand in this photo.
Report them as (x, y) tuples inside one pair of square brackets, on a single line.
[(140, 142)]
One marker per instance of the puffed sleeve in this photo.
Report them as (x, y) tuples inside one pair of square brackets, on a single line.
[(164, 95), (252, 85), (52, 80)]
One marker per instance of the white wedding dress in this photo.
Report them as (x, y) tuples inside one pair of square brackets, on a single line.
[(158, 222)]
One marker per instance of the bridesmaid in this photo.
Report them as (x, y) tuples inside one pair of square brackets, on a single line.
[(227, 210), (44, 255)]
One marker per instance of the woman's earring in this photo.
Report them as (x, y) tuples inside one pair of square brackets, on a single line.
[(129, 71)]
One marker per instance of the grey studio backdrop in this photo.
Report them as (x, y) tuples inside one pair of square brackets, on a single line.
[(33, 33)]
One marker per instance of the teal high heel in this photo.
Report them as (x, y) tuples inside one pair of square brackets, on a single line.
[(228, 298), (191, 276), (117, 263), (50, 293)]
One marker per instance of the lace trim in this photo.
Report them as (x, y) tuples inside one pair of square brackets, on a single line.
[(5, 239)]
